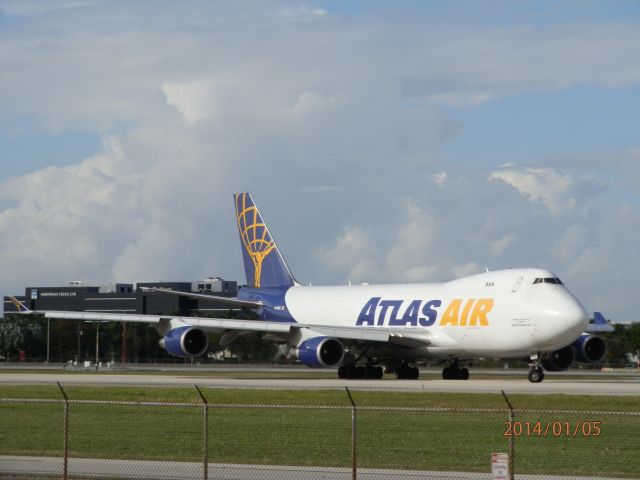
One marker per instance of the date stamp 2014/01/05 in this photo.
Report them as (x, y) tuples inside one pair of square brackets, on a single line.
[(553, 428)]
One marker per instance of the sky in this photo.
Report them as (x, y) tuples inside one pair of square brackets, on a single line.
[(382, 141)]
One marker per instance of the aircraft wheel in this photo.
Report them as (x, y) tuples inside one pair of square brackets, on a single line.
[(447, 373), (464, 374), (536, 375), (414, 373), (349, 371), (342, 371)]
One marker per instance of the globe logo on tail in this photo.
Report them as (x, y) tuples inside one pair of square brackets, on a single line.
[(254, 234)]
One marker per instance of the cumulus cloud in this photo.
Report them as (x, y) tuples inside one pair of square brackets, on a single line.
[(194, 100), (440, 179), (333, 121), (354, 254), (558, 191), (500, 245), (302, 12), (62, 221)]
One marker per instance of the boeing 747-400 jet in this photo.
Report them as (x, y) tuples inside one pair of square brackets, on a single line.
[(364, 330)]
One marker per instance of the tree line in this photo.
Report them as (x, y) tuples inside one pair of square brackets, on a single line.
[(74, 341)]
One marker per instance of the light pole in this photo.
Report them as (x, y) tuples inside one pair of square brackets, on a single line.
[(79, 337), (97, 343), (123, 350), (48, 337)]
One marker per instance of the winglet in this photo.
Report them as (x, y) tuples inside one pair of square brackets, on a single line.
[(19, 305)]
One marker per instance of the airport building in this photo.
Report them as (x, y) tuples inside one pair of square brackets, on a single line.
[(127, 298)]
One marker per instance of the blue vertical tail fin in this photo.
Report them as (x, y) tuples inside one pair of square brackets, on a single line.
[(263, 263)]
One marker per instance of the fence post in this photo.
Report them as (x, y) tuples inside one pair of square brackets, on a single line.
[(65, 433), (354, 468), (205, 434), (512, 439)]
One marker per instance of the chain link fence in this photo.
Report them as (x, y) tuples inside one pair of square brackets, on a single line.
[(63, 438)]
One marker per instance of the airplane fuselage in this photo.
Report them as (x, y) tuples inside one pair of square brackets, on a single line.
[(501, 313)]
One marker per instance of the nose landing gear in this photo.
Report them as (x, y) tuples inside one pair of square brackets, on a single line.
[(536, 373)]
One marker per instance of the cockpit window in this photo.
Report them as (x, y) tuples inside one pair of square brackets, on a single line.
[(553, 280)]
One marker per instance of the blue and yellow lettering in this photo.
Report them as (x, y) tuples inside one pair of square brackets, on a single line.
[(385, 304), (410, 316), (465, 312), (451, 314), (479, 314), (368, 314), (459, 313), (429, 313)]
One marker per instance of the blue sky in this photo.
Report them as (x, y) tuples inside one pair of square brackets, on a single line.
[(429, 139), (537, 125)]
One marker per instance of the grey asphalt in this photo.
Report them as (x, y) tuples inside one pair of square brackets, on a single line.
[(139, 469), (558, 385)]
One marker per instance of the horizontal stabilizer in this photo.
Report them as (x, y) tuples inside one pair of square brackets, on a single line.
[(231, 301), (599, 325)]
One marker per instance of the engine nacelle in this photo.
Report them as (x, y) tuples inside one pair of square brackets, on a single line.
[(320, 352), (589, 348), (185, 342), (560, 360)]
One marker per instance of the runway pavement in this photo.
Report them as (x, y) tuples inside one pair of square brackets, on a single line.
[(607, 386), (144, 469)]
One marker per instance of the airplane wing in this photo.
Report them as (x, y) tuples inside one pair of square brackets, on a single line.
[(232, 301), (359, 334)]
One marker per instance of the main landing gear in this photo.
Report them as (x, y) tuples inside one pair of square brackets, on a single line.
[(403, 371), (406, 372), (454, 372), (352, 371), (536, 373)]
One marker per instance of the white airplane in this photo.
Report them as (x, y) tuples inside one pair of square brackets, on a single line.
[(518, 313)]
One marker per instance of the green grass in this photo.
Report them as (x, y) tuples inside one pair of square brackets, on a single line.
[(327, 397), (247, 426)]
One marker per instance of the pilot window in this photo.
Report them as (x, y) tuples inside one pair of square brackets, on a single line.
[(552, 280)]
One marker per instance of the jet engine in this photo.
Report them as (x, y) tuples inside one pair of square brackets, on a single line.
[(560, 360), (320, 352), (589, 348), (185, 342)]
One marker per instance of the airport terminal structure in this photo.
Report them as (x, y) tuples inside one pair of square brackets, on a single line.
[(127, 297)]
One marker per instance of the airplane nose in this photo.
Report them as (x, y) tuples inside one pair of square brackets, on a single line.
[(570, 316), (564, 316), (576, 314)]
